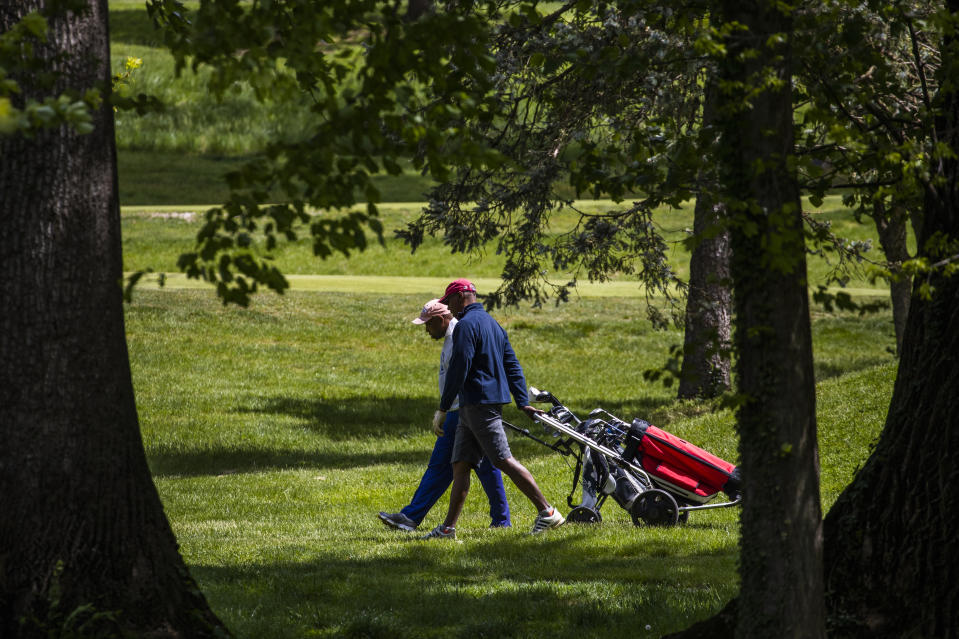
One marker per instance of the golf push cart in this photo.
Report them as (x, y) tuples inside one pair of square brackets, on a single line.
[(653, 475)]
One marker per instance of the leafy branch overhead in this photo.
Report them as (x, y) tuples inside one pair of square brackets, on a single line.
[(605, 99), (609, 97), (384, 89), (515, 109), (495, 101)]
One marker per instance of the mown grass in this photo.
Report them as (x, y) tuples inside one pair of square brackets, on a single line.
[(275, 433), (155, 237)]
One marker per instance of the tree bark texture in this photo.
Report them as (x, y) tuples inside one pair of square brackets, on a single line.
[(891, 228), (706, 363), (75, 488), (781, 543), (890, 566)]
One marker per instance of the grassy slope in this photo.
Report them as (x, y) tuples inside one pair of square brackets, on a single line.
[(180, 154)]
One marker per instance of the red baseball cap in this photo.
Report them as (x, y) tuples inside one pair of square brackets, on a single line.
[(458, 286)]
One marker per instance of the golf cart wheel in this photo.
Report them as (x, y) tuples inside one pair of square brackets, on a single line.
[(584, 515), (655, 508)]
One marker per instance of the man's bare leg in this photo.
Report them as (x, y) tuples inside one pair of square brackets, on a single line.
[(458, 492), (523, 480)]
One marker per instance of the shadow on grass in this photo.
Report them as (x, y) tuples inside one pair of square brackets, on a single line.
[(133, 26), (369, 423), (507, 585), (228, 461), (829, 370), (356, 418), (158, 178)]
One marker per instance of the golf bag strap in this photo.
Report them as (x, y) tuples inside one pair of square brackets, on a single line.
[(637, 430)]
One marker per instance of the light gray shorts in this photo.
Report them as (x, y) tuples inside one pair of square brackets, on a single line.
[(481, 433)]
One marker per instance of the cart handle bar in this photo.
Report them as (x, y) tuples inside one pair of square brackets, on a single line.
[(586, 441)]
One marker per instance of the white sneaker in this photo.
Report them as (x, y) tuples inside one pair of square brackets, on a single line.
[(546, 519)]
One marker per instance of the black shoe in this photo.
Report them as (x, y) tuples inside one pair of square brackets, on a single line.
[(398, 521)]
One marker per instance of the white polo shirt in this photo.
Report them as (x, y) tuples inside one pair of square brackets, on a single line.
[(445, 355)]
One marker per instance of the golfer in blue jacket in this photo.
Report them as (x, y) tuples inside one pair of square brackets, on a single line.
[(483, 373)]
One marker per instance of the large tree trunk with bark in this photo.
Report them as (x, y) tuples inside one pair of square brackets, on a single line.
[(890, 566), (781, 545), (81, 523)]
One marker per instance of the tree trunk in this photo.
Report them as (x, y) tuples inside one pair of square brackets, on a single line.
[(75, 489), (706, 364), (890, 569), (891, 228), (705, 369), (781, 545)]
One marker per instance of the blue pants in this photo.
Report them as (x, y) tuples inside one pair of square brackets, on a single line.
[(439, 476)]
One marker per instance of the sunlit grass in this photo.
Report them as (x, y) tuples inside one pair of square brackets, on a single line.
[(276, 433)]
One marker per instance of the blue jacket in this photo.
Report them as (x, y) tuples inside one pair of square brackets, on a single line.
[(483, 368)]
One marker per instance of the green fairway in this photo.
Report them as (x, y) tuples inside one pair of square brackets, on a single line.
[(424, 286), (155, 236)]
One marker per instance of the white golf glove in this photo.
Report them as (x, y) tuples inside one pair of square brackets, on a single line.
[(438, 418)]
